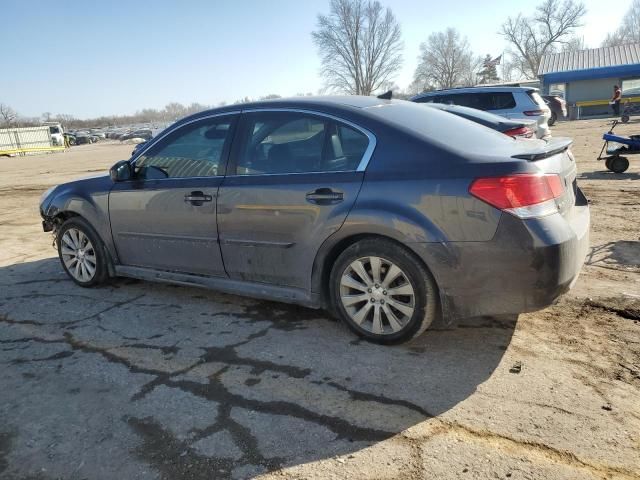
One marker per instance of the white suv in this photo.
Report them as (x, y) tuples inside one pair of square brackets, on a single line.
[(509, 102)]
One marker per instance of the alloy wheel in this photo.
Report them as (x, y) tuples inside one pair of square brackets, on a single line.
[(78, 255), (377, 295)]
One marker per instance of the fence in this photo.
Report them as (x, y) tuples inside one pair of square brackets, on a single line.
[(600, 107), (25, 141)]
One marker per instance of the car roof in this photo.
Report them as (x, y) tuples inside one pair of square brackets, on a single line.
[(322, 103)]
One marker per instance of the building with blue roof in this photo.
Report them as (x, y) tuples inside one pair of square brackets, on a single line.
[(586, 77)]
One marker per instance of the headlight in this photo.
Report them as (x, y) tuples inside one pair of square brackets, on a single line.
[(46, 194)]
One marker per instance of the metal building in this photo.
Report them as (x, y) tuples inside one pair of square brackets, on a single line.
[(586, 78)]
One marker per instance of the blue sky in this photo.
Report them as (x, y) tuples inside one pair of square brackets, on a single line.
[(99, 58)]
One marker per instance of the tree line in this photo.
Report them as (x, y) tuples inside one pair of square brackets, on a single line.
[(360, 47)]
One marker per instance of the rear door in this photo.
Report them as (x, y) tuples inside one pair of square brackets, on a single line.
[(293, 178)]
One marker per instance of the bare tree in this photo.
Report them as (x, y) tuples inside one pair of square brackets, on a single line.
[(360, 46), (7, 114), (574, 44), (445, 61), (629, 29), (46, 116), (532, 37)]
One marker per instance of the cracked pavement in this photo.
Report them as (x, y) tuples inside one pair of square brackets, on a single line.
[(140, 380)]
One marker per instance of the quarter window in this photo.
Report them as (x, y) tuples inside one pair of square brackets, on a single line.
[(291, 142), (194, 150)]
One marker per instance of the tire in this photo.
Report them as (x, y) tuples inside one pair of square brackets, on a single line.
[(76, 239), (607, 163), (619, 164), (552, 119), (365, 303), (624, 118)]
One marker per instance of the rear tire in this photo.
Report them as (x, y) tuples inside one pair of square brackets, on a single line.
[(382, 292), (619, 164), (552, 119), (81, 253), (624, 118)]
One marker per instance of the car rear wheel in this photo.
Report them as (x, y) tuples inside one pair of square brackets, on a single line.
[(382, 291), (81, 253)]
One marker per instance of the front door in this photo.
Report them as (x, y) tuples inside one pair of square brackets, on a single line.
[(294, 178), (165, 218)]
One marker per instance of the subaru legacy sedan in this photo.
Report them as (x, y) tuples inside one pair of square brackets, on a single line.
[(388, 214)]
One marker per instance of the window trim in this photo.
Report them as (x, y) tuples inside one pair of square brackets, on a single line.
[(170, 130), (364, 161)]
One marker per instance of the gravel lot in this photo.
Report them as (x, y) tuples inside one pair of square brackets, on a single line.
[(140, 380)]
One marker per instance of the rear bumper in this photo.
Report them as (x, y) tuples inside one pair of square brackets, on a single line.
[(525, 267)]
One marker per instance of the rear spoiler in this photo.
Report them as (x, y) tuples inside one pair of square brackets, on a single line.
[(552, 147)]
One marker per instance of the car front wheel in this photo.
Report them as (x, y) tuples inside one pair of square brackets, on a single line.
[(81, 253), (383, 292)]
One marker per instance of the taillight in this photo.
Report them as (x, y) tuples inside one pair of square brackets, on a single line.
[(524, 195), (519, 132), (533, 113)]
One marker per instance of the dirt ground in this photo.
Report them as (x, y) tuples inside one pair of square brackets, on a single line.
[(139, 380)]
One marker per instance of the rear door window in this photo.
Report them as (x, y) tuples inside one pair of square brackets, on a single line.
[(292, 142)]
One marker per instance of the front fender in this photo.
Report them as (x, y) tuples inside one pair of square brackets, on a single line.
[(89, 199)]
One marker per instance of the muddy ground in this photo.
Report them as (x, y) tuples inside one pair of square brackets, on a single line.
[(139, 380)]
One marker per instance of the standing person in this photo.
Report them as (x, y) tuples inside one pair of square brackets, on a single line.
[(615, 100)]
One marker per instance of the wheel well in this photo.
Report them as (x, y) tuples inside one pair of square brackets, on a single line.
[(345, 243), (62, 217)]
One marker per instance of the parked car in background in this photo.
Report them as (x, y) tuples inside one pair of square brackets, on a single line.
[(145, 134), (558, 108), (388, 217), (508, 102), (512, 128), (82, 138)]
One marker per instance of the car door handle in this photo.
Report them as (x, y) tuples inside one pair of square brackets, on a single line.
[(324, 196), (197, 198)]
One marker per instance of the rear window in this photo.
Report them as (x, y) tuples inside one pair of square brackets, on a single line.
[(537, 99), (483, 117), (442, 127), (429, 99)]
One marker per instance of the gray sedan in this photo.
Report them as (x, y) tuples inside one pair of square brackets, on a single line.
[(390, 215)]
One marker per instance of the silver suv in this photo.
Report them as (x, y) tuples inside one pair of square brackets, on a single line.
[(509, 102)]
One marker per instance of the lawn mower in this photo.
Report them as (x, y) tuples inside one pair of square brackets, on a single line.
[(614, 159)]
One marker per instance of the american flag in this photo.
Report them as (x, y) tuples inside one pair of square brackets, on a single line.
[(492, 63)]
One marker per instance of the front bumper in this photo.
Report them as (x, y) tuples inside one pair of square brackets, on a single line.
[(525, 267)]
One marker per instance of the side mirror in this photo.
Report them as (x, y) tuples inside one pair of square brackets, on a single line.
[(121, 171)]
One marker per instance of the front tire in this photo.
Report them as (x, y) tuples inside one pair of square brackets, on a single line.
[(382, 292), (552, 119), (81, 253)]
